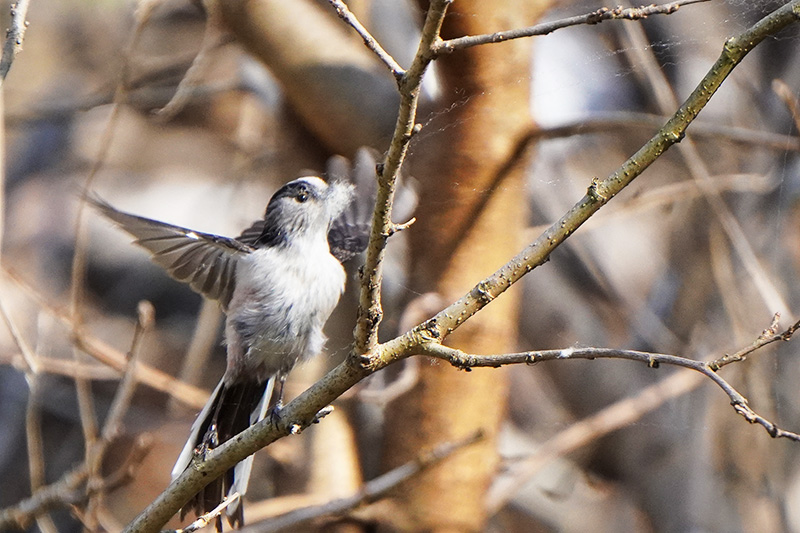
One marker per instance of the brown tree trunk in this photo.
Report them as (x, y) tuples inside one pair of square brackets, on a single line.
[(471, 213)]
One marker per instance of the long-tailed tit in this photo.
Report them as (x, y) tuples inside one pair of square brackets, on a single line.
[(278, 283)]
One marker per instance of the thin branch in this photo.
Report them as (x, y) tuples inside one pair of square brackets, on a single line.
[(190, 81), (465, 361), (159, 380), (370, 312), (86, 406), (209, 517), (370, 492), (302, 411), (143, 11), (346, 15), (11, 47), (603, 122), (64, 492), (786, 94), (595, 17), (587, 430), (14, 37), (666, 100), (598, 194), (119, 407), (70, 490), (768, 336), (28, 356)]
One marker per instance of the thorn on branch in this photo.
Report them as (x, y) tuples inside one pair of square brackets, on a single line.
[(395, 228)]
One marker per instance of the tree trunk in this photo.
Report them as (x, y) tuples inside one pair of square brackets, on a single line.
[(469, 222)]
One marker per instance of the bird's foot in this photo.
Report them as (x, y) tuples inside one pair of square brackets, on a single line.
[(275, 413)]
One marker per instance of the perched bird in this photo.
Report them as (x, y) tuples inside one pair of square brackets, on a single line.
[(278, 283)]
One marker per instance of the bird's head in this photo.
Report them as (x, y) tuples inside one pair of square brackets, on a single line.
[(304, 207)]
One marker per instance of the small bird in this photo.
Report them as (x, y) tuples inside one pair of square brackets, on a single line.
[(278, 283)]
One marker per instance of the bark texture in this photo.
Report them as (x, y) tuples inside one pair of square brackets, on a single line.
[(470, 219)]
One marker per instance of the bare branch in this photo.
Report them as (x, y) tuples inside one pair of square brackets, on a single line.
[(595, 17), (466, 362), (603, 122), (119, 407), (209, 517), (346, 15), (70, 490), (302, 411), (370, 311), (159, 380), (666, 100), (768, 336), (65, 492), (188, 84), (14, 37), (370, 492), (786, 94), (598, 193), (587, 430)]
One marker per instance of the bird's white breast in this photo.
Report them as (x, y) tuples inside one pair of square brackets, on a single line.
[(283, 297)]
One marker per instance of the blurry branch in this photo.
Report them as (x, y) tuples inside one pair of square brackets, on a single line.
[(61, 367), (603, 122), (119, 407), (465, 361), (595, 17), (33, 419), (587, 430), (346, 15), (643, 55), (85, 484), (86, 406), (14, 36), (786, 94), (369, 356), (190, 80), (69, 490), (144, 10), (189, 395), (369, 493)]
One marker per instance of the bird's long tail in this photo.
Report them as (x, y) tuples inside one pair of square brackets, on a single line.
[(231, 409)]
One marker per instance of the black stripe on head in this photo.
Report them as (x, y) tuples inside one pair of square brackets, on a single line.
[(299, 190), (275, 232)]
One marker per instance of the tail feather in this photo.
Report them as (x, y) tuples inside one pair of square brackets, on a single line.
[(231, 409)]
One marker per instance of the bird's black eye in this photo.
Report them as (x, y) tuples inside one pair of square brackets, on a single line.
[(302, 196)]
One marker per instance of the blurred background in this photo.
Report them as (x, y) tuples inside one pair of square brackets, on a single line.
[(693, 259)]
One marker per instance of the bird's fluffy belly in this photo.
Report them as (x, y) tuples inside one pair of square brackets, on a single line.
[(279, 307)]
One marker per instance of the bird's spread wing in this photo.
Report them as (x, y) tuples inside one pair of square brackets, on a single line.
[(206, 262), (349, 233), (251, 235)]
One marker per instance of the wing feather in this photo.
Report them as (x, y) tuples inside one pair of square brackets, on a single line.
[(206, 262)]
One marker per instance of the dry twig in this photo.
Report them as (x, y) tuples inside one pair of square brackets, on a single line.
[(465, 361), (371, 491), (369, 356)]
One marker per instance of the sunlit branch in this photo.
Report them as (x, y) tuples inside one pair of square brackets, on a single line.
[(370, 492), (14, 36), (595, 17), (346, 15), (464, 361), (370, 309), (370, 356), (598, 193)]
